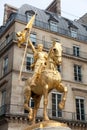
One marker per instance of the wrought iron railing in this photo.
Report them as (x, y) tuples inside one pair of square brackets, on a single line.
[(69, 51), (47, 45), (5, 43), (2, 110), (18, 110), (43, 25), (46, 26)]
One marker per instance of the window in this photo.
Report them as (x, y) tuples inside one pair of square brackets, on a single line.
[(73, 29), (80, 113), (29, 14), (33, 38), (59, 68), (3, 108), (5, 65), (7, 39), (29, 61), (56, 98), (73, 32), (28, 17), (77, 73), (76, 50), (3, 97), (53, 26), (31, 104), (85, 27)]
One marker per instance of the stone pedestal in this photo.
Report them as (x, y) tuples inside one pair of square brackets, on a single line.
[(48, 125), (53, 128)]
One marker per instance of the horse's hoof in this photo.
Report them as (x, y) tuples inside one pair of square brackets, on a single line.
[(46, 119), (30, 118), (66, 89)]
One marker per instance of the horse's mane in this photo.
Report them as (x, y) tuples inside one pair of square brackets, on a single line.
[(49, 53)]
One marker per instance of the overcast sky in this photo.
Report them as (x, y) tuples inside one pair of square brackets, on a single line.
[(71, 9)]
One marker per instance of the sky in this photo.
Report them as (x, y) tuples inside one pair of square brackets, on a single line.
[(71, 9)]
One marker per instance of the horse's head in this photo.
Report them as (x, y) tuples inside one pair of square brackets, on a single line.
[(57, 52)]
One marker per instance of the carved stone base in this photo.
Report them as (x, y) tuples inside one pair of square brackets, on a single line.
[(48, 125)]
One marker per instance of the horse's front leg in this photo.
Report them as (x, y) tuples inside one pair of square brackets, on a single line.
[(45, 116), (36, 106), (27, 95), (64, 91)]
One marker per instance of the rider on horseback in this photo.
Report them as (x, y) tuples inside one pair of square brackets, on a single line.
[(40, 59)]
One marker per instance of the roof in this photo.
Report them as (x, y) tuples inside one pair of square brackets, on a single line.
[(83, 19), (44, 16)]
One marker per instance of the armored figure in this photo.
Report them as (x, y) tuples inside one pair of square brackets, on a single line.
[(40, 59)]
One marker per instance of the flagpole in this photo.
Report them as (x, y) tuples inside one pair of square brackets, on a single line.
[(23, 60), (28, 30)]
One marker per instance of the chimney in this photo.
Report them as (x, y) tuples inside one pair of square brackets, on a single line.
[(55, 7), (8, 9)]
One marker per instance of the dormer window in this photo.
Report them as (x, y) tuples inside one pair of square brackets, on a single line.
[(53, 26), (73, 32), (28, 17), (85, 27), (29, 14), (53, 22), (73, 29)]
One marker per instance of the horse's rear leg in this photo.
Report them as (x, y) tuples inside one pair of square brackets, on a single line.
[(27, 95), (45, 115), (36, 106), (62, 103)]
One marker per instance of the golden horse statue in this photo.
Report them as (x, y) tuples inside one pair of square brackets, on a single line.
[(48, 79)]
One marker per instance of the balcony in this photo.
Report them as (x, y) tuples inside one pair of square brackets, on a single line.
[(46, 26), (40, 24), (8, 41), (66, 51), (18, 111), (69, 52)]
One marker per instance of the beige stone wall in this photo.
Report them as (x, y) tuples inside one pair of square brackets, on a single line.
[(9, 31), (8, 53), (6, 80), (19, 26), (15, 89), (18, 55), (4, 126), (68, 66), (17, 125), (6, 86), (17, 96), (45, 35)]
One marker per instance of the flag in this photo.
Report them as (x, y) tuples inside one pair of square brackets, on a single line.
[(23, 39), (30, 23)]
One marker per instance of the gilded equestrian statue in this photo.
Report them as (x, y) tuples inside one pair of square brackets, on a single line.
[(46, 79)]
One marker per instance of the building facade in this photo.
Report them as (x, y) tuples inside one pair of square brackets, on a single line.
[(48, 26)]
